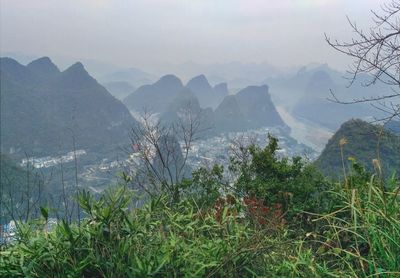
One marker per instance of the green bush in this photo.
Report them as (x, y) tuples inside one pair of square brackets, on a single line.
[(293, 183), (155, 240), (252, 226)]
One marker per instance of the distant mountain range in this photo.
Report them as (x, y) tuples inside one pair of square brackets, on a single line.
[(318, 105), (43, 109), (250, 108), (236, 74), (287, 89), (308, 95), (256, 104), (159, 95), (305, 93), (51, 108), (208, 96), (155, 97), (361, 142)]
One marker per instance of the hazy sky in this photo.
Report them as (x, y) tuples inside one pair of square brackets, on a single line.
[(148, 32)]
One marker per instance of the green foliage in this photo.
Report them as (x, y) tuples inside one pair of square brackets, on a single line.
[(206, 184), (156, 240), (364, 231), (290, 182), (365, 142), (249, 227)]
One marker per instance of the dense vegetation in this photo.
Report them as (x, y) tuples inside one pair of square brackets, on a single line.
[(277, 217), (364, 141)]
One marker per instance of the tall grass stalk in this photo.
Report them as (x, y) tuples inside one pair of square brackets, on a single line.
[(367, 230)]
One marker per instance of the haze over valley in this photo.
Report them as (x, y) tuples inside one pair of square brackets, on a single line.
[(96, 115), (204, 138)]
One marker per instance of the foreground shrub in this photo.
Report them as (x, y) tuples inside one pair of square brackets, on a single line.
[(293, 184), (256, 225), (115, 240), (363, 233)]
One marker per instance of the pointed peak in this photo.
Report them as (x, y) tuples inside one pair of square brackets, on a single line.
[(254, 90), (9, 63), (43, 66), (76, 76), (169, 77), (169, 80), (76, 66), (19, 73), (42, 60), (8, 60), (199, 82), (201, 78)]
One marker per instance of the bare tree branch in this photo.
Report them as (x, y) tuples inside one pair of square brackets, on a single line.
[(161, 151), (375, 52)]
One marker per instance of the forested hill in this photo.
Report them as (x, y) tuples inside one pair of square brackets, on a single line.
[(361, 140), (43, 108)]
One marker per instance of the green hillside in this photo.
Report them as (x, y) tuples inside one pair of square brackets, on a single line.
[(364, 142)]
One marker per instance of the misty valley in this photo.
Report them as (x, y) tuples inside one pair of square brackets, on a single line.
[(169, 154)]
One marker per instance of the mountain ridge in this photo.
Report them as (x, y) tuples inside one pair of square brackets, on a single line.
[(48, 110)]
